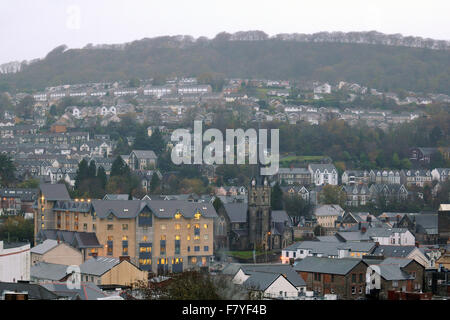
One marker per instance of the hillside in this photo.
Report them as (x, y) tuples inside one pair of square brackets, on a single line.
[(384, 65)]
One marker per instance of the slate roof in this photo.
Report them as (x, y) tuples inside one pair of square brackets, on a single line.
[(260, 280), (48, 271), (35, 291), (326, 265), (98, 266), (54, 191), (394, 251), (44, 247), (331, 248), (87, 290), (278, 269), (322, 167), (144, 154), (393, 272), (75, 239), (329, 210)]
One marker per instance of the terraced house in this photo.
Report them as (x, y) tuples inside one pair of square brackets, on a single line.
[(158, 235)]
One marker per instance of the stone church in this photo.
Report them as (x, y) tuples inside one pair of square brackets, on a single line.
[(253, 225)]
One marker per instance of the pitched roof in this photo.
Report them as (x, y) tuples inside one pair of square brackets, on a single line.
[(327, 265), (329, 210), (394, 251), (260, 280), (284, 269), (54, 191), (237, 212), (44, 247), (48, 271), (98, 266), (35, 291), (87, 290), (145, 154)]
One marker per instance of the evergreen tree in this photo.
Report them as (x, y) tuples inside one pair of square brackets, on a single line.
[(92, 169), (82, 173), (101, 176), (154, 183), (157, 143), (276, 198), (119, 168), (7, 169)]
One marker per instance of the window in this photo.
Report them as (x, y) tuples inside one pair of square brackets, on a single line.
[(360, 277), (360, 290), (163, 227), (205, 237), (197, 248), (110, 227), (332, 278), (125, 227), (353, 290), (94, 227), (394, 284), (205, 226), (188, 238), (85, 226), (194, 260), (177, 215), (144, 238), (206, 248), (188, 226), (177, 226), (353, 277), (197, 216)]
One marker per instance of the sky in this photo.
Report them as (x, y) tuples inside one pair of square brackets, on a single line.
[(31, 28)]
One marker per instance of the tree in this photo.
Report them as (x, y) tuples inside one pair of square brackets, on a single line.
[(29, 184), (24, 108), (101, 176), (333, 195), (82, 173), (154, 182), (134, 83), (276, 198), (217, 204), (92, 169), (157, 143), (17, 229), (7, 169), (142, 141), (119, 168), (296, 206)]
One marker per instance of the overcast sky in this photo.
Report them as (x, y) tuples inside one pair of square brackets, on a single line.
[(31, 28)]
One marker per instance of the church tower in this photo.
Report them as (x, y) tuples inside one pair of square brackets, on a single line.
[(259, 214)]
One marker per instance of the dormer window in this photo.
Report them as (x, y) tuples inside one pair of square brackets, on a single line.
[(197, 216)]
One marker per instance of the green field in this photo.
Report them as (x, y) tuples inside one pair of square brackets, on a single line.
[(287, 160)]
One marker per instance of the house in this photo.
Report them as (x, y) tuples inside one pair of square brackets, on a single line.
[(343, 277), (394, 274), (85, 242), (44, 272), (388, 192), (329, 249), (328, 214), (86, 291), (355, 177), (382, 235), (17, 200), (440, 174), (324, 88), (31, 291), (385, 176), (54, 251), (142, 159), (423, 226), (323, 174), (111, 271), (405, 252), (422, 155), (274, 281), (14, 261), (293, 176), (357, 194), (296, 191), (418, 178)]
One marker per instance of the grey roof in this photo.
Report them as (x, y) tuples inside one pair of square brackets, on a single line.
[(329, 210), (280, 216), (75, 239), (322, 167), (54, 191), (394, 251), (145, 154), (332, 248), (327, 265), (402, 262), (44, 247), (284, 269), (369, 234), (328, 238), (160, 208), (98, 266), (393, 272), (293, 170), (120, 196), (87, 290), (260, 280), (48, 271), (35, 291)]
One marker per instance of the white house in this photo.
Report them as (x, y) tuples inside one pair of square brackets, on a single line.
[(270, 281), (322, 174), (324, 88), (14, 262)]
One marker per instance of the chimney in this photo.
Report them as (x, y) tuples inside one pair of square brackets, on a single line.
[(122, 258)]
